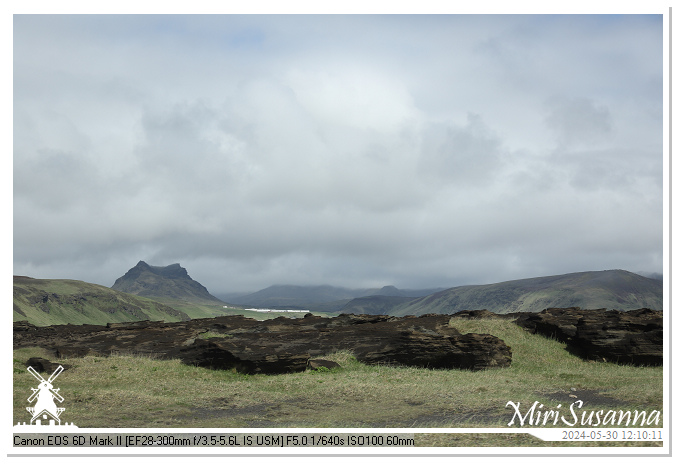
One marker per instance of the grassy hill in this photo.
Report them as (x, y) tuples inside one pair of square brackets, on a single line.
[(614, 289), (57, 301)]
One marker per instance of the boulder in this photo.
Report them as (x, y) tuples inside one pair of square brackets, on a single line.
[(558, 323), (427, 341), (480, 351), (225, 354)]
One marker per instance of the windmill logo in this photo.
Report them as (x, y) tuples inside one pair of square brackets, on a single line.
[(45, 409)]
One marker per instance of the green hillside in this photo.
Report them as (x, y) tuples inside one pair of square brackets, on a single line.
[(614, 289), (56, 301)]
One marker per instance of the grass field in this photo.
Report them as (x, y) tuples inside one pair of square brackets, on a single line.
[(136, 392)]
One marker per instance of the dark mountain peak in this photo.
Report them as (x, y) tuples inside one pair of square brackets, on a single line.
[(173, 271), (141, 266), (389, 290), (171, 281)]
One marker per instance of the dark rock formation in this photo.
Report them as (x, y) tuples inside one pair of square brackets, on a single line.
[(631, 337), (279, 345), (257, 358)]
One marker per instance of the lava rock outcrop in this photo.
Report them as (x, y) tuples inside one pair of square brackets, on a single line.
[(279, 345), (623, 337)]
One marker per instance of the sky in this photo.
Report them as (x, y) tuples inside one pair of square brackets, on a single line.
[(352, 150)]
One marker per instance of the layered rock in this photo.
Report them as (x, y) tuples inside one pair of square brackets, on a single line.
[(631, 337), (279, 345)]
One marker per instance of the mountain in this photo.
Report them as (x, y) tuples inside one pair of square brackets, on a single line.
[(294, 295), (319, 297), (613, 289), (56, 301), (374, 304), (169, 283)]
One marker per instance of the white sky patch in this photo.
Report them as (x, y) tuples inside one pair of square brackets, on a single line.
[(357, 97)]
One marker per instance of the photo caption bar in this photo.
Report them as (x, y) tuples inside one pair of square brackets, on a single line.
[(165, 440)]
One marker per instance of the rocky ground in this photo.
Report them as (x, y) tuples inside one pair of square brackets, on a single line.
[(284, 345)]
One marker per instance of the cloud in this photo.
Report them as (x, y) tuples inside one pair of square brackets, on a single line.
[(468, 155), (349, 150), (578, 121)]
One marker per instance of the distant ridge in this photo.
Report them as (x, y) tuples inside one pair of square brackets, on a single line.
[(318, 297), (167, 282), (611, 289)]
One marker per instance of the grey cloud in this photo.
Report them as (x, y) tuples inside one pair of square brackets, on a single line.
[(612, 169), (578, 121), (469, 155)]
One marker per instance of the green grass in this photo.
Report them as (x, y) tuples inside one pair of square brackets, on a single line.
[(125, 391)]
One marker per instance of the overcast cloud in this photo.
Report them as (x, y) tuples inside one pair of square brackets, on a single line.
[(357, 151)]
